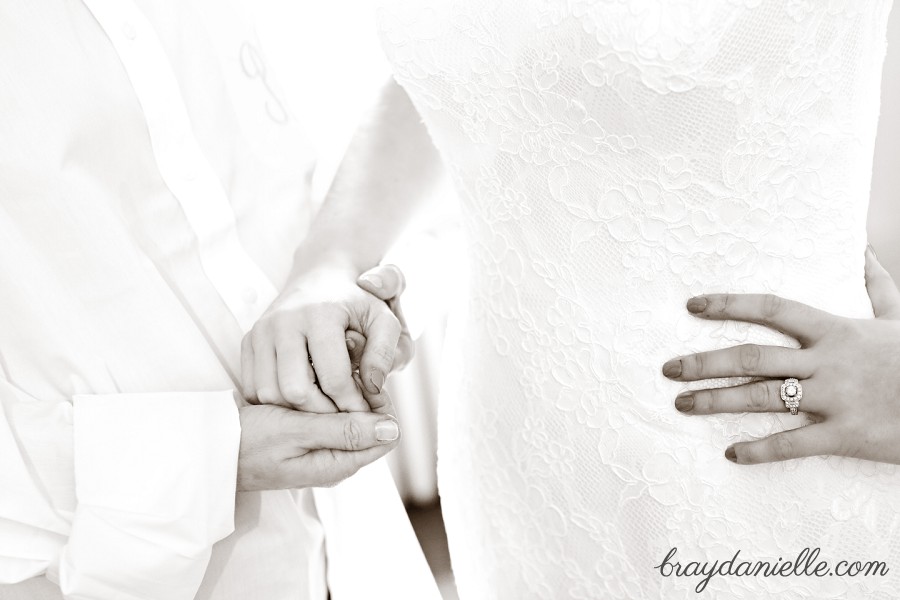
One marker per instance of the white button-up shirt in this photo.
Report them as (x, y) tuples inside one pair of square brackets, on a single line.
[(153, 188)]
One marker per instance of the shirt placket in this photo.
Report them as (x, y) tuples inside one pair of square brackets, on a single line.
[(241, 284)]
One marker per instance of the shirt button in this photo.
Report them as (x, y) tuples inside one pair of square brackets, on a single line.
[(250, 296), (128, 31)]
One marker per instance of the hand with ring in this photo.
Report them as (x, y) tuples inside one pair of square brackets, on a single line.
[(846, 374)]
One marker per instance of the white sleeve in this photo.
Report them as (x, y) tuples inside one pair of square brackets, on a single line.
[(154, 485)]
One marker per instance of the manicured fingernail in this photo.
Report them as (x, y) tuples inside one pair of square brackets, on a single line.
[(373, 280), (387, 430), (872, 250), (376, 380), (697, 304), (672, 368), (730, 454), (684, 401), (351, 345)]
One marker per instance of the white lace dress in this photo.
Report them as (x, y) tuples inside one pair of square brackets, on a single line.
[(612, 159)]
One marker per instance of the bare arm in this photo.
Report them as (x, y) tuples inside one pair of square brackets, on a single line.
[(884, 206), (384, 177)]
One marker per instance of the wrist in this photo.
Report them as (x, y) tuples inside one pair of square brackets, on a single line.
[(310, 258), (336, 258)]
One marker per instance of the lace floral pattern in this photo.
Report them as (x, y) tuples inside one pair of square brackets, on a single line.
[(613, 158)]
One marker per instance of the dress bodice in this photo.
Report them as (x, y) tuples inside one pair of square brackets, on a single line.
[(613, 158)]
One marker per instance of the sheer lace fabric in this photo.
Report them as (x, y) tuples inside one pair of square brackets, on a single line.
[(614, 158)]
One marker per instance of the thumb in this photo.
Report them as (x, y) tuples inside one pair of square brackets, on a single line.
[(380, 403), (383, 281), (882, 290), (387, 283), (342, 431)]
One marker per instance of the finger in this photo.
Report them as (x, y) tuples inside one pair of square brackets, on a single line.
[(332, 439), (342, 431), (247, 383), (382, 336), (798, 320), (882, 290), (748, 360), (406, 348), (356, 342), (328, 348), (265, 374), (811, 440), (380, 403), (383, 281), (759, 396), (296, 377), (387, 283)]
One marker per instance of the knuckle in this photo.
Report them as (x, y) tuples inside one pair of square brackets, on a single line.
[(248, 390), (753, 453), (782, 447), (268, 395), (352, 434), (388, 325), (322, 312), (332, 384), (296, 394), (749, 356), (384, 354), (759, 396), (846, 330), (695, 366), (259, 335), (705, 401), (844, 386), (727, 300), (283, 337), (772, 305)]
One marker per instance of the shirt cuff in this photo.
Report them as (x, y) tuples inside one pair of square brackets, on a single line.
[(155, 478)]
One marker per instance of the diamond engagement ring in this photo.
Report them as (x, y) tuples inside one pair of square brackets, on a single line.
[(791, 393)]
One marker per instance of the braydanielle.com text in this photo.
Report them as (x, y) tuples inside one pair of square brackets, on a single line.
[(806, 564)]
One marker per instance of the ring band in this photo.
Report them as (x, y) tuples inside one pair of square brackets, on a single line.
[(791, 394)]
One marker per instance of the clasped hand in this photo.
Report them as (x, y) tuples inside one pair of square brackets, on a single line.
[(313, 370)]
